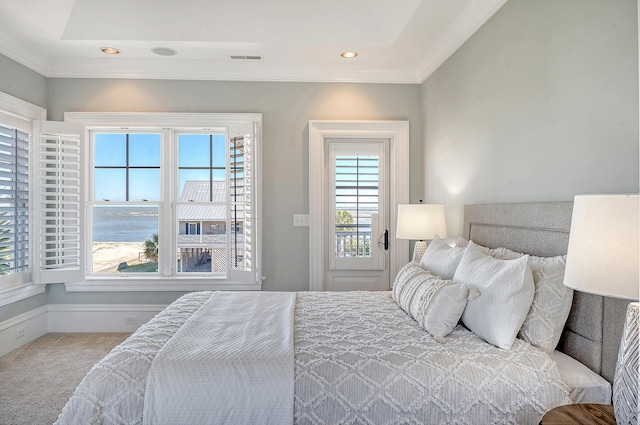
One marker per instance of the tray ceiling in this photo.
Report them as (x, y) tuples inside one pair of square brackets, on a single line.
[(402, 41)]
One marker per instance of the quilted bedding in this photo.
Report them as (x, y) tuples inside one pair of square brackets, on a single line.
[(245, 372), (359, 359)]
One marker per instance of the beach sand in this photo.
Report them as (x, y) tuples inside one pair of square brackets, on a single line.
[(107, 255)]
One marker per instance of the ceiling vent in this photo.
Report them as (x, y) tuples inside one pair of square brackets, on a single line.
[(246, 57)]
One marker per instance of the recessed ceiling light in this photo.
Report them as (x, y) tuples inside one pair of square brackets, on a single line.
[(348, 55), (164, 51), (110, 50)]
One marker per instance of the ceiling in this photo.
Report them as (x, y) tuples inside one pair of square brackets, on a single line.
[(399, 41)]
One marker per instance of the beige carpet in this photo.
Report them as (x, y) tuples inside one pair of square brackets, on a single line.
[(37, 379)]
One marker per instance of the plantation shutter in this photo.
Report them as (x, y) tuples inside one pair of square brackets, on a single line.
[(14, 200), (59, 201), (356, 213), (242, 262)]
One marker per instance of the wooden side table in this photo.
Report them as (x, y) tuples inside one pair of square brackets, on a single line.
[(580, 414)]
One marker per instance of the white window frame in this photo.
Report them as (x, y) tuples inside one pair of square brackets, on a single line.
[(189, 122), (20, 114)]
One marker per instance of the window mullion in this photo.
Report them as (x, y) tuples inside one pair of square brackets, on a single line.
[(167, 240), (126, 169)]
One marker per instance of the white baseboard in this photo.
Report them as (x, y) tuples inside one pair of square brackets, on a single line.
[(100, 318), (30, 325), (73, 318)]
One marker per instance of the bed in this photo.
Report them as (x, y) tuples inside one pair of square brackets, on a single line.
[(357, 357)]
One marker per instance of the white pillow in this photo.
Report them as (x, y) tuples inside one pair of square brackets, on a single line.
[(506, 292), (441, 259), (435, 303), (552, 300)]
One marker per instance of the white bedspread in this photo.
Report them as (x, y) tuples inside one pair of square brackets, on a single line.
[(230, 363), (359, 359)]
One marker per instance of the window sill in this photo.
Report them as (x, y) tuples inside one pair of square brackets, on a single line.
[(16, 293), (158, 284)]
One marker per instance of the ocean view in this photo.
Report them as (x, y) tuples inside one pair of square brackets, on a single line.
[(124, 224)]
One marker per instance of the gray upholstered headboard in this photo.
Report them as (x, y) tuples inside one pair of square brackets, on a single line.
[(593, 330)]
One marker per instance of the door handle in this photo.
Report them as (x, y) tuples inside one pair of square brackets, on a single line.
[(386, 239)]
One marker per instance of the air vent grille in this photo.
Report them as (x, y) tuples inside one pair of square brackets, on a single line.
[(246, 57)]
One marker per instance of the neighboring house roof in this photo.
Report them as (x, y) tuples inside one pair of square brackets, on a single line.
[(202, 212), (197, 191)]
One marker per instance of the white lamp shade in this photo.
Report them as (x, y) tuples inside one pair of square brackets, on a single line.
[(421, 221), (603, 252)]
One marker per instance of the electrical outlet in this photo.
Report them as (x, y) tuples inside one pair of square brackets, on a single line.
[(131, 320), (301, 220), (19, 332)]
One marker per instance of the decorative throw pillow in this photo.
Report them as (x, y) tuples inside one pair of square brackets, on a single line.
[(552, 300), (441, 259), (506, 293), (438, 305), (406, 284), (551, 303), (435, 303)]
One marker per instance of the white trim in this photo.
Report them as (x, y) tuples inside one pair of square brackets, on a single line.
[(21, 318), (73, 318), (159, 284), (19, 292), (95, 120), (398, 134), (20, 108), (25, 54), (33, 322), (99, 317)]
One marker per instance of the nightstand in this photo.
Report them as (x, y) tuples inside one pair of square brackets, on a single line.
[(580, 414)]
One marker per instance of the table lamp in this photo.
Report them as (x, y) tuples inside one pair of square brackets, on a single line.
[(602, 259), (420, 222)]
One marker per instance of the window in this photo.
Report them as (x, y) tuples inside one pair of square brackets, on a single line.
[(125, 201), (357, 209), (17, 119), (173, 201), (357, 201)]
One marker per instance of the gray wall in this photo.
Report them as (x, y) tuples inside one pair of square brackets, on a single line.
[(540, 104), (21, 82), (286, 109)]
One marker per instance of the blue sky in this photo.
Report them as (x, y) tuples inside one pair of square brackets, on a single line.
[(144, 151)]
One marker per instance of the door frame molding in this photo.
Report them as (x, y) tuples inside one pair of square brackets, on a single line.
[(398, 134)]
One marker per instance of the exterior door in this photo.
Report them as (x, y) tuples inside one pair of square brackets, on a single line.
[(357, 214)]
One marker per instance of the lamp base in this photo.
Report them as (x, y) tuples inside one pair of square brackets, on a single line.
[(626, 388), (418, 250)]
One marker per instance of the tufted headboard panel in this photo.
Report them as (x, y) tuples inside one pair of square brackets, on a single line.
[(594, 327)]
